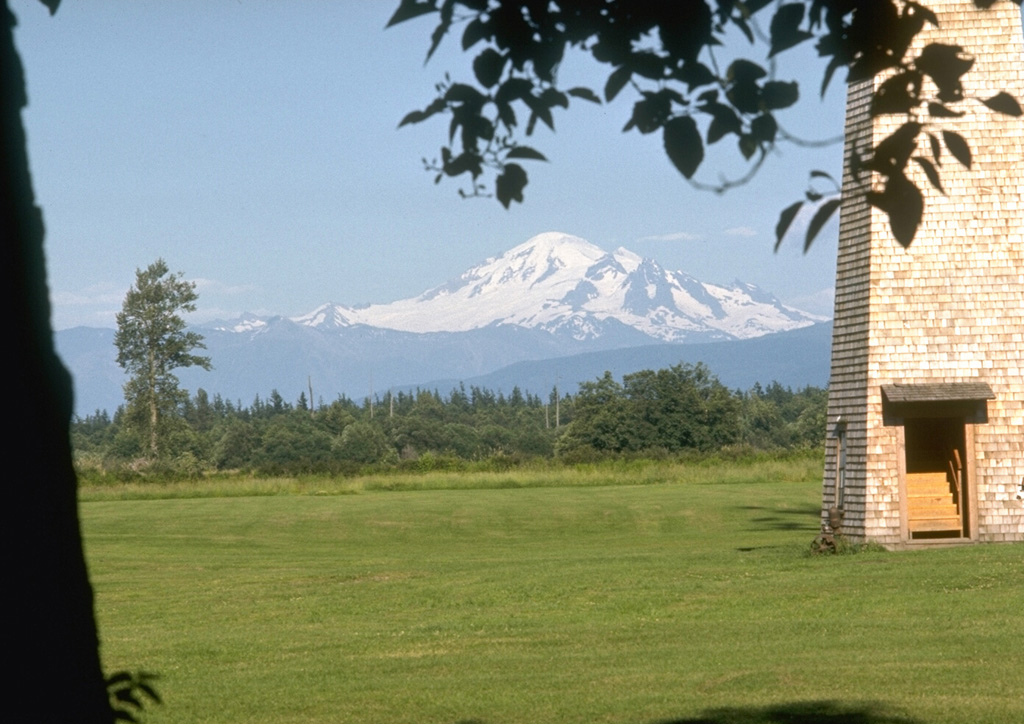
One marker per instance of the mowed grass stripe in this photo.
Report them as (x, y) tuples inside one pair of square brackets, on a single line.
[(547, 604)]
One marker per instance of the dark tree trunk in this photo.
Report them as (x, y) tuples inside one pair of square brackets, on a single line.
[(51, 645)]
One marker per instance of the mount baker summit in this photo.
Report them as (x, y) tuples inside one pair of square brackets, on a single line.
[(566, 286), (552, 298)]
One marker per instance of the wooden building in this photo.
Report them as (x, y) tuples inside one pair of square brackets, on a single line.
[(926, 397)]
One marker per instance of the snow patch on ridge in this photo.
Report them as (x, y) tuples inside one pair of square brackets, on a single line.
[(566, 285)]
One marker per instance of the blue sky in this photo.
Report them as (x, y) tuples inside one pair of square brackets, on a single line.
[(254, 146)]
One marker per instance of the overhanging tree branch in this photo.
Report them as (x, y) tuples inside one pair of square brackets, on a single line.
[(664, 53)]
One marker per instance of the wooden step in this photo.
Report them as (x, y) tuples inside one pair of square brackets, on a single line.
[(927, 484), (943, 490), (935, 525), (930, 498), (930, 477), (931, 507), (933, 510)]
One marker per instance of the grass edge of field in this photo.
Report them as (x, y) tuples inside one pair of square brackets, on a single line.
[(802, 466)]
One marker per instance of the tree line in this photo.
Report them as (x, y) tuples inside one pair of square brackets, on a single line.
[(679, 410), (162, 430)]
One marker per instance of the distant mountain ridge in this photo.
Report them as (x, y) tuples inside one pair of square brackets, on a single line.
[(566, 286), (556, 297), (794, 359)]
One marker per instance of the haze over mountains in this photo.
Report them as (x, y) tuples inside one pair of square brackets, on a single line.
[(541, 302)]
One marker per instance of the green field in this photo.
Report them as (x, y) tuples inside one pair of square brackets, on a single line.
[(633, 597)]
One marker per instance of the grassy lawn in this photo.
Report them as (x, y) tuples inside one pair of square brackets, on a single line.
[(656, 602)]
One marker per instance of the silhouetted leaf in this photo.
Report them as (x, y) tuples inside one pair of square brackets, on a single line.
[(785, 220), (126, 696), (616, 81), (411, 117), (407, 10), (936, 147), (508, 187), (683, 144), (898, 94), (647, 65), (584, 93), (525, 152), (857, 164), (938, 110), (835, 64), (958, 147), (552, 97), (506, 114), (785, 28), (673, 46), (476, 30), (723, 121), (717, 131), (903, 202), (764, 128), (453, 125), (821, 216), (441, 30), (121, 692), (435, 107), (684, 29), (462, 93), (928, 15), (1004, 103), (540, 111), (929, 170), (610, 49), (945, 64), (513, 89), (474, 127), (744, 71), (145, 687), (488, 66), (893, 152), (748, 145), (741, 23), (650, 113), (779, 94), (745, 96), (695, 75), (466, 162), (822, 174)]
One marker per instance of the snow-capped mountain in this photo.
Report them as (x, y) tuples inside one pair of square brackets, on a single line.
[(565, 285), (557, 304)]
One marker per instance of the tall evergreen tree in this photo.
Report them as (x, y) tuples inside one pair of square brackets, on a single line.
[(152, 342)]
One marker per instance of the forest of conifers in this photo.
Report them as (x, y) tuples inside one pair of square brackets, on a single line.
[(679, 410)]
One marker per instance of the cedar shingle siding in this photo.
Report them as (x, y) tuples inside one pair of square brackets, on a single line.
[(928, 342)]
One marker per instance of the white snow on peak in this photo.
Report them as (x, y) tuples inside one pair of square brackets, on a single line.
[(557, 281), (250, 325), (248, 322), (627, 257), (326, 315)]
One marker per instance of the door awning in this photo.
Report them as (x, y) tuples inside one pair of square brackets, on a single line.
[(938, 392)]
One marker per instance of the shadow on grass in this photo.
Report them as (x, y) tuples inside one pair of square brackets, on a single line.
[(803, 518), (800, 712), (803, 712)]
